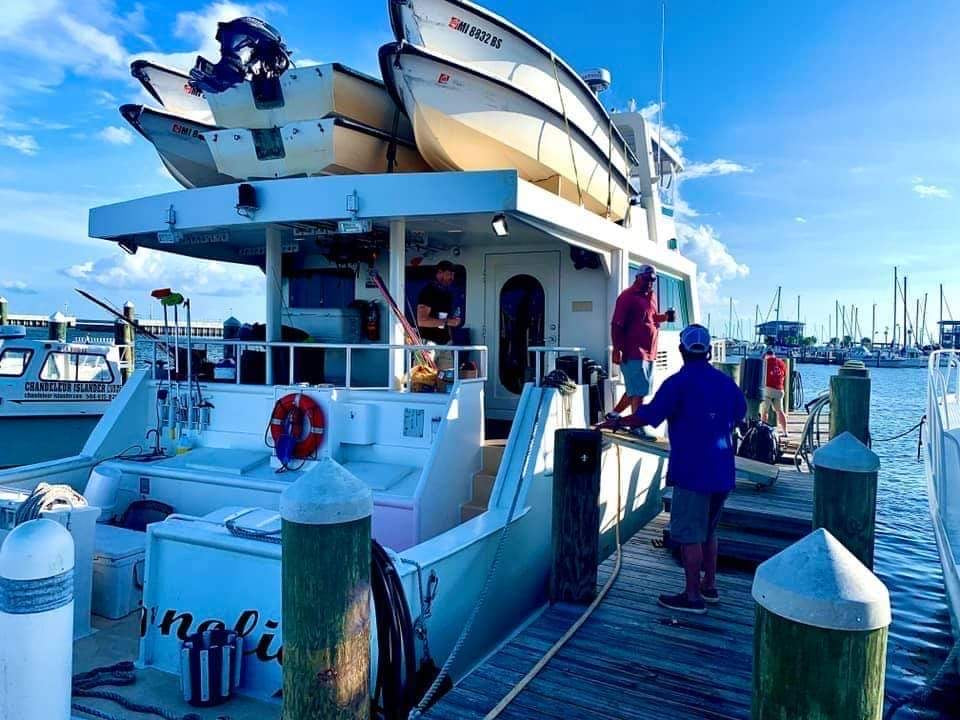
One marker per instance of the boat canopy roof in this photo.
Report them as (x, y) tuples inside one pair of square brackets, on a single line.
[(443, 209)]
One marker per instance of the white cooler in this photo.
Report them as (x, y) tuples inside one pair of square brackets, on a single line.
[(117, 571)]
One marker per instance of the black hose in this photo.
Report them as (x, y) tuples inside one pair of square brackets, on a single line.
[(396, 656)]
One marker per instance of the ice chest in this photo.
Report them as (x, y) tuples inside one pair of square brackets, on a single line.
[(117, 571)]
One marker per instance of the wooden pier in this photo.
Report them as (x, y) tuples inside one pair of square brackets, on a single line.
[(634, 659)]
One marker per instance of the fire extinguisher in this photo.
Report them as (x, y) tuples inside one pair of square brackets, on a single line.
[(371, 325)]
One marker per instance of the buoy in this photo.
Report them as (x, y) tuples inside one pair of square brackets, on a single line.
[(36, 622), (101, 490)]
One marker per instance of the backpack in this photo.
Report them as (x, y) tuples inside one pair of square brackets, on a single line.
[(760, 442)]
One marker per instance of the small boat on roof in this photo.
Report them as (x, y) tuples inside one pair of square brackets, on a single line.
[(312, 147), (179, 143), (466, 119), (171, 88)]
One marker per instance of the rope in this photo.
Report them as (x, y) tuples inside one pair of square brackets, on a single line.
[(556, 647), (270, 536), (47, 497), (922, 695), (899, 435), (566, 122), (434, 688), (118, 675)]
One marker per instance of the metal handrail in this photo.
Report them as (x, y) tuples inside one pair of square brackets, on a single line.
[(549, 350), (348, 349), (943, 373)]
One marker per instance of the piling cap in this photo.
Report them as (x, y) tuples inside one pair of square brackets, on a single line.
[(328, 494), (846, 452), (818, 582), (231, 322), (58, 317), (36, 550)]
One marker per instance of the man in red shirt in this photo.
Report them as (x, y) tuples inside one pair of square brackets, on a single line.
[(776, 377), (634, 331)]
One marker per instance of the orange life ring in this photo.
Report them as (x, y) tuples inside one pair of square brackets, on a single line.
[(305, 420)]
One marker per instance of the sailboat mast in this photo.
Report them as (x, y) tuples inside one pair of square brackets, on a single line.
[(940, 324), (730, 319), (904, 313), (923, 324), (873, 326), (896, 287)]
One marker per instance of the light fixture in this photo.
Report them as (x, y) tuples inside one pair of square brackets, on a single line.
[(128, 246), (247, 203), (499, 225)]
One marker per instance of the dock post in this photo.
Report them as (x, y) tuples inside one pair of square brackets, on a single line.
[(125, 338), (325, 574), (576, 515), (850, 401), (820, 634), (751, 382), (57, 327), (4, 317), (730, 369), (845, 494)]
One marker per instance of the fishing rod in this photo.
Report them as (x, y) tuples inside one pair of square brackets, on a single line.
[(120, 316)]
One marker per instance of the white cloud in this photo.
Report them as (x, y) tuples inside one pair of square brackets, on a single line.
[(144, 270), (116, 135), (682, 208), (17, 286), (25, 144), (716, 263), (653, 114), (800, 219), (925, 190), (720, 166)]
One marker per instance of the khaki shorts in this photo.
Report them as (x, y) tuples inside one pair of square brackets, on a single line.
[(773, 398)]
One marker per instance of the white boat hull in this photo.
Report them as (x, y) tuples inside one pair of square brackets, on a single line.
[(180, 144), (316, 147), (310, 93), (171, 88), (487, 42), (464, 120)]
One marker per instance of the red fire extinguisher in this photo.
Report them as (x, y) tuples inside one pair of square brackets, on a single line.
[(371, 325)]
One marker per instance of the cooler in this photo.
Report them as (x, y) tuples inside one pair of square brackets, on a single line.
[(118, 556)]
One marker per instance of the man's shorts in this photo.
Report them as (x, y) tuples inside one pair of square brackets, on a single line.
[(637, 376), (694, 515), (774, 397)]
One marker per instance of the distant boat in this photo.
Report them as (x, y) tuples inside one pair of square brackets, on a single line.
[(171, 88), (180, 144), (465, 119), (332, 146)]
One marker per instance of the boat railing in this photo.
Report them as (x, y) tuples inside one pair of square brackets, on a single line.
[(409, 352), (546, 359), (943, 417)]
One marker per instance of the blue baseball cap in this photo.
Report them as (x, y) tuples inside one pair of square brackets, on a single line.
[(695, 339)]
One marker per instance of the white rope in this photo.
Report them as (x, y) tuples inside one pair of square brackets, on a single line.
[(548, 656)]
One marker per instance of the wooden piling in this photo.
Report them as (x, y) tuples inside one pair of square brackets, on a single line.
[(4, 317), (576, 515), (845, 494), (730, 369), (850, 401), (325, 573), (751, 382), (57, 327), (125, 337), (820, 634)]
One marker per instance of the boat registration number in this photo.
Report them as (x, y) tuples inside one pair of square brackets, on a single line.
[(477, 33)]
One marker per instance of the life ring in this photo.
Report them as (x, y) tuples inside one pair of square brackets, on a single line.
[(297, 418)]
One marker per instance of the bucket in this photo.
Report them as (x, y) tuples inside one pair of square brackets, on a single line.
[(210, 665)]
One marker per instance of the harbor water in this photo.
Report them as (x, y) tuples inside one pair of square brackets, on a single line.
[(906, 552)]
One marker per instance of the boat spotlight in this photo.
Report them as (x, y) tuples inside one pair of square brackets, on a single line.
[(246, 200), (499, 225), (128, 246)]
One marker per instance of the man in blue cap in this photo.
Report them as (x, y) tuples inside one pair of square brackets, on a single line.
[(701, 406)]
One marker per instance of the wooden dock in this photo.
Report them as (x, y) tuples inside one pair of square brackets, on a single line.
[(634, 659)]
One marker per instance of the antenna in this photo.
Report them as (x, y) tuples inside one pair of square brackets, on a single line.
[(663, 31)]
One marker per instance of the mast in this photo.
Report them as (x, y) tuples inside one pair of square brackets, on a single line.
[(779, 290), (756, 323), (940, 324), (873, 326), (836, 319), (904, 314), (923, 325), (896, 288), (916, 325), (730, 319)]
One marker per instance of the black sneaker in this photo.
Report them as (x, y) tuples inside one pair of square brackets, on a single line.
[(681, 603), (710, 595)]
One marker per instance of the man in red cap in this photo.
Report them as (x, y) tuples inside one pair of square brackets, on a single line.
[(634, 331)]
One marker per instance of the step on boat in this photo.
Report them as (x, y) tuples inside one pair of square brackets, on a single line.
[(311, 147), (52, 394), (179, 142), (466, 119), (484, 41), (171, 88)]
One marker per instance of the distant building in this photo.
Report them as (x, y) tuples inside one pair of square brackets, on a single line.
[(784, 332), (950, 333)]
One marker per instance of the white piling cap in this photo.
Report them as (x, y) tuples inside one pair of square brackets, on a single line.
[(846, 452), (36, 550), (817, 581), (328, 494), (58, 317)]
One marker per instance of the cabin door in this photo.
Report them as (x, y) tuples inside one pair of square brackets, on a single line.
[(522, 310)]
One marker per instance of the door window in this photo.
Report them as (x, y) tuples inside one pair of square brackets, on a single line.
[(14, 361), (522, 320), (671, 293), (76, 367)]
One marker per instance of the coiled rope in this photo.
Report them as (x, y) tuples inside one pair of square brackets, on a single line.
[(47, 497), (118, 675)]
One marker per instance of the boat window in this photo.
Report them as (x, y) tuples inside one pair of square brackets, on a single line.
[(671, 293), (522, 321), (325, 288), (76, 367), (14, 361)]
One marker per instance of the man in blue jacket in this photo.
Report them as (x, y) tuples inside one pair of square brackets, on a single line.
[(701, 406)]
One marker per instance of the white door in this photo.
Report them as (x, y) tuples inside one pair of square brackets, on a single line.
[(522, 309)]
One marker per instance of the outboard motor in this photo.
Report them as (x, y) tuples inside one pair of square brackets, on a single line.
[(250, 49)]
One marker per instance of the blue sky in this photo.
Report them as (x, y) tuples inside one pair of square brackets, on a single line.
[(820, 138)]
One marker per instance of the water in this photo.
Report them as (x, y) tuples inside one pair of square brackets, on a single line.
[(906, 553)]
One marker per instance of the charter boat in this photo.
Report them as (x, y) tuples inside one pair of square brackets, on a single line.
[(171, 88), (52, 394), (467, 119), (941, 446), (312, 147), (179, 142)]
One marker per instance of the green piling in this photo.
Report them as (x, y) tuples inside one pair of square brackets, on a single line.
[(730, 369), (4, 317), (850, 401), (326, 595), (845, 494), (820, 634), (124, 337), (751, 382), (57, 327)]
